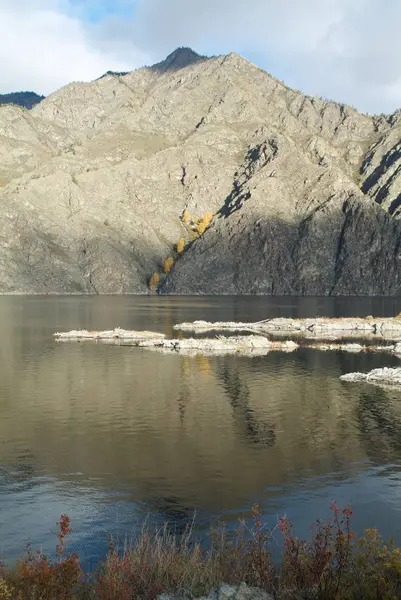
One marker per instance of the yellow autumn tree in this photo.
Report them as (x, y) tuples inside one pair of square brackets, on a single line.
[(201, 227), (180, 246), (168, 263), (208, 218), (186, 217), (154, 281), (201, 224)]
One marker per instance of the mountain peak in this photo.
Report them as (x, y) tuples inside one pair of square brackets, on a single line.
[(179, 59)]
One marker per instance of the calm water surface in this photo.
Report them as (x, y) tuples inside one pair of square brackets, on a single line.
[(110, 434)]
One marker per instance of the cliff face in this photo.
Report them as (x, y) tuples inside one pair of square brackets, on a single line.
[(305, 193)]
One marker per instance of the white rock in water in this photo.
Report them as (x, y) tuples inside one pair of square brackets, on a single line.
[(117, 333), (353, 377), (351, 347), (222, 344), (317, 326), (397, 348), (385, 376)]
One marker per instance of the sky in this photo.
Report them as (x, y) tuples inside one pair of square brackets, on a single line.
[(345, 50)]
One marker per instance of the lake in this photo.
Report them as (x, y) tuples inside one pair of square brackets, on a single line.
[(113, 434)]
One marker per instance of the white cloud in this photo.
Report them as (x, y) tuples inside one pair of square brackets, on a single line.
[(44, 47), (347, 50), (344, 49)]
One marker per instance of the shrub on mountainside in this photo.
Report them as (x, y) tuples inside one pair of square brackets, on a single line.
[(167, 264), (186, 217), (202, 223), (154, 281), (180, 246)]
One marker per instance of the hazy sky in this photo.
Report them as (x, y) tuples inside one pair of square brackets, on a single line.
[(348, 50)]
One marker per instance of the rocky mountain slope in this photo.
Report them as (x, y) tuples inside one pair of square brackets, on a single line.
[(267, 190)]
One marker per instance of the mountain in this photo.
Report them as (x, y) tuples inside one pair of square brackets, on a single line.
[(179, 59), (265, 190), (25, 99)]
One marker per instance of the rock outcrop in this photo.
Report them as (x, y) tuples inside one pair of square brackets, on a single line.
[(304, 195), (385, 376)]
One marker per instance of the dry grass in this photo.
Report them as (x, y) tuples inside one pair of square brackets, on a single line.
[(331, 565)]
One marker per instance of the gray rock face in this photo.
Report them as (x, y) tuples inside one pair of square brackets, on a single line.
[(94, 181)]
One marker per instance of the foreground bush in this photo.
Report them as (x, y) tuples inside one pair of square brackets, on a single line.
[(37, 577), (331, 565)]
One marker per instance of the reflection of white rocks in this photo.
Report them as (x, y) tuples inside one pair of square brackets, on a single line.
[(381, 327), (384, 376), (113, 334), (251, 344)]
